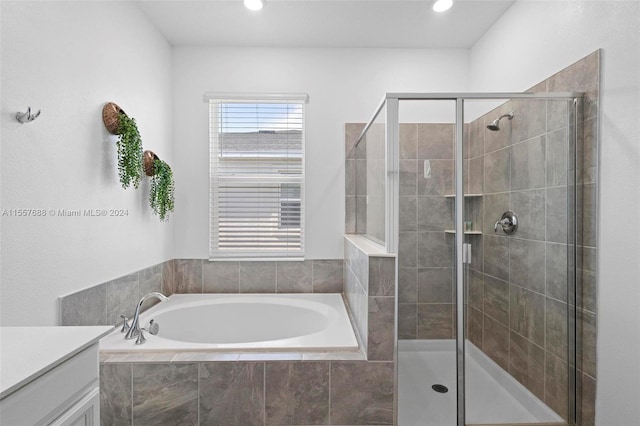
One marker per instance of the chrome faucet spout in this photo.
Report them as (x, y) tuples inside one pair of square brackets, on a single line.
[(134, 330)]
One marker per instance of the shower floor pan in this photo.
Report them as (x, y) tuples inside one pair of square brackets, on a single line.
[(493, 396)]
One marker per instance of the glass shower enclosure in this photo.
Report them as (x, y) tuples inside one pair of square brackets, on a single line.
[(475, 193)]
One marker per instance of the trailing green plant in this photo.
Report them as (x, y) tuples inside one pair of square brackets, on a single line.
[(129, 146), (161, 191)]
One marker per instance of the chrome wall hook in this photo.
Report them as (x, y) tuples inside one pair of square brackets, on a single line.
[(26, 117)]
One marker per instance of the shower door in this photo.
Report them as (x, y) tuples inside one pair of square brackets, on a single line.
[(486, 225)]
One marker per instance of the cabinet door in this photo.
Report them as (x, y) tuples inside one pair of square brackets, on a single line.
[(85, 412)]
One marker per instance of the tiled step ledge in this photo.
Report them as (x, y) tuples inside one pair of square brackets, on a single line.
[(367, 246)]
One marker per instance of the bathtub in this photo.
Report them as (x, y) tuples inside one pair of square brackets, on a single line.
[(243, 322)]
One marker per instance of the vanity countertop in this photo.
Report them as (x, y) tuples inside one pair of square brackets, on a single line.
[(28, 352)]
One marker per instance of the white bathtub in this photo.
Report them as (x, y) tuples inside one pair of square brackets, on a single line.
[(243, 322)]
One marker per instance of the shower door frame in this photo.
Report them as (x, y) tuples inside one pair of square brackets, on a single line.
[(392, 231)]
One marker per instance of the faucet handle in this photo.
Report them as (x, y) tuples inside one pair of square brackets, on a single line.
[(125, 324)]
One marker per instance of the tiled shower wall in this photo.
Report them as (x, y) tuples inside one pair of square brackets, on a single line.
[(517, 302), (104, 303)]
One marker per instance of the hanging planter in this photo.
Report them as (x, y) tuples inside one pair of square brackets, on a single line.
[(162, 187), (148, 158), (128, 145)]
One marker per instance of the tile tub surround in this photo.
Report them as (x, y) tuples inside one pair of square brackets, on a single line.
[(253, 392), (369, 276), (104, 303)]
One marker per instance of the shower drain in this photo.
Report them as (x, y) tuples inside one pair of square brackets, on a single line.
[(440, 388)]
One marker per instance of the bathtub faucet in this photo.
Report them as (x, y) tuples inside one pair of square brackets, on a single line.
[(135, 330)]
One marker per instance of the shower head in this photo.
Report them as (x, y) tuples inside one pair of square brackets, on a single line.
[(495, 124)]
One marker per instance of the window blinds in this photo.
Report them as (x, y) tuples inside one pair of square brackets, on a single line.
[(257, 177)]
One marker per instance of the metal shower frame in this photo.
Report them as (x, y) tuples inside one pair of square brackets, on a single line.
[(392, 156)]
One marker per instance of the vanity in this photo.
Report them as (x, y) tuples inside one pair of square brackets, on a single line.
[(49, 375)]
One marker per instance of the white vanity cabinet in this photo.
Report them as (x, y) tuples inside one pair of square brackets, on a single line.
[(50, 375)]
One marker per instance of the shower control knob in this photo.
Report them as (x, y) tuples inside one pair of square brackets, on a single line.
[(508, 222)]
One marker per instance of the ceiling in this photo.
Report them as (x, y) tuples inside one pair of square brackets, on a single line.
[(323, 23)]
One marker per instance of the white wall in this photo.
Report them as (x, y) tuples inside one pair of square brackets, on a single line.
[(344, 85), (69, 59), (532, 41)]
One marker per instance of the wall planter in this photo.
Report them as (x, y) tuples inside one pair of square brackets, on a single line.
[(162, 188), (129, 144)]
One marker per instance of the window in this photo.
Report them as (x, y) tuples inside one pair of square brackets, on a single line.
[(257, 176)]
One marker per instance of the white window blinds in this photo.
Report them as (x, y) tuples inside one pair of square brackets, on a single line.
[(257, 176)]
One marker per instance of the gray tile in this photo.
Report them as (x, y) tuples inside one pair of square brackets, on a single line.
[(361, 178), (361, 214), (407, 249), (496, 171), (586, 388), (408, 285), (474, 326), (382, 276), (165, 394), (496, 299), (435, 321), (494, 206), (361, 393), (122, 298), (441, 180), (150, 281), (220, 277), (557, 114), (435, 213), (257, 277), (556, 389), (435, 285), (188, 275), (496, 256), (435, 141), (294, 277), (85, 307), (556, 216), (380, 337), (589, 217), (476, 289), (409, 177), (587, 334), (527, 265), (527, 164), (589, 151), (527, 314), (476, 175), (327, 276), (556, 328), (557, 157), (297, 393), (526, 364), (408, 137), (232, 393), (556, 276), (115, 394), (529, 206), (408, 213), (168, 277), (435, 249), (407, 321), (350, 215), (476, 138), (495, 341), (350, 177)]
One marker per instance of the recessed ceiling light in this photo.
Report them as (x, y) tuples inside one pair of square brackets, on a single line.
[(256, 4), (440, 5)]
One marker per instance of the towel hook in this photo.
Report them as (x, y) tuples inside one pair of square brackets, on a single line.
[(26, 117)]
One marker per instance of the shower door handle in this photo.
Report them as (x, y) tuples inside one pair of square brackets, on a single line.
[(508, 222)]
